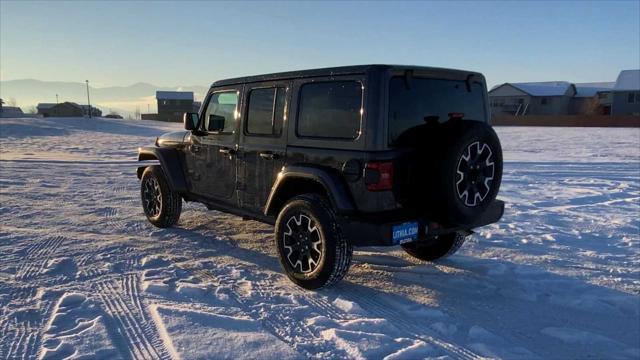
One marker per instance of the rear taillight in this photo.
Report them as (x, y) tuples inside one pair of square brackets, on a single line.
[(378, 175)]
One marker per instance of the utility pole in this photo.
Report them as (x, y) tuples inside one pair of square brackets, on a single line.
[(88, 100), (56, 99), (148, 111)]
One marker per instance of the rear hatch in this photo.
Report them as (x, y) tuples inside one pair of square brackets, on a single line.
[(417, 109)]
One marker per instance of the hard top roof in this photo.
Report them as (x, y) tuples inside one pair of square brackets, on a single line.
[(330, 71)]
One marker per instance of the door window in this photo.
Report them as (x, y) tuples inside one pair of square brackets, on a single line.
[(265, 112), (222, 112)]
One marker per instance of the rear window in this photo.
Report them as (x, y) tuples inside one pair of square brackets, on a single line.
[(436, 98), (330, 110)]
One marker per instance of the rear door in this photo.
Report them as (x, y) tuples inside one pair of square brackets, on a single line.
[(263, 141)]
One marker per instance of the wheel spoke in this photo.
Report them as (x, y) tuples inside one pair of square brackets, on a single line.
[(302, 241), (475, 171)]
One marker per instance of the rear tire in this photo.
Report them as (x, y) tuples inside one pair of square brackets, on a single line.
[(436, 248), (311, 247), (162, 206)]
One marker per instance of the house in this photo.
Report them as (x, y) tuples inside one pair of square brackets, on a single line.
[(592, 99), (95, 112), (10, 112), (44, 109), (532, 98), (173, 104), (67, 109), (621, 97), (626, 93)]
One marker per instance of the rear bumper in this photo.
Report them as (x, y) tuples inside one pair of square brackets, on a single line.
[(380, 232)]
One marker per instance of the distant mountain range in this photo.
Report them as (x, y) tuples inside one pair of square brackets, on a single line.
[(123, 99)]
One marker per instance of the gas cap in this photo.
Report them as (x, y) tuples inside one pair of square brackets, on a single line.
[(352, 170)]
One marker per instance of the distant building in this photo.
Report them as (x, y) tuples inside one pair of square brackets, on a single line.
[(535, 98), (10, 112), (563, 98), (196, 106), (173, 104), (67, 109), (44, 109), (626, 93), (592, 99), (150, 116)]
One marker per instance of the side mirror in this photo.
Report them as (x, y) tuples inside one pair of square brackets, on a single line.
[(216, 123), (191, 121)]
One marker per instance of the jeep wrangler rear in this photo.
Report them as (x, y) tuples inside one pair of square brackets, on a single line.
[(373, 155)]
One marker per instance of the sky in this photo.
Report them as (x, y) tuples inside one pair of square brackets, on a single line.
[(195, 43)]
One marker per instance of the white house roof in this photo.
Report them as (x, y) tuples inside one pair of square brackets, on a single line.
[(547, 88), (591, 89), (46, 105), (628, 80), (174, 95)]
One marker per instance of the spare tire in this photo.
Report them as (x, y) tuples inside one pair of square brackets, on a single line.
[(456, 172), (470, 172)]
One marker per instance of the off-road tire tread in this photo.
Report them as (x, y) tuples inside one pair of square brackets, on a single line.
[(171, 207), (343, 247)]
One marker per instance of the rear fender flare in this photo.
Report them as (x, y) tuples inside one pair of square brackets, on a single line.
[(337, 191), (169, 161)]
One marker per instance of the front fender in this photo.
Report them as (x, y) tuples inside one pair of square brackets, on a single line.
[(169, 159), (337, 191)]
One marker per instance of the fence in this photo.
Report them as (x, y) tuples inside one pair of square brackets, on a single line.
[(568, 120)]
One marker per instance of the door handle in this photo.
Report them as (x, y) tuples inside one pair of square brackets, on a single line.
[(268, 155), (227, 151), (195, 148)]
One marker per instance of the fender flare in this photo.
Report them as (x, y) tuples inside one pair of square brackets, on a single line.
[(169, 159), (336, 189)]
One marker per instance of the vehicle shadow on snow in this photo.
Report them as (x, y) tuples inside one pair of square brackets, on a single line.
[(494, 307), (510, 308)]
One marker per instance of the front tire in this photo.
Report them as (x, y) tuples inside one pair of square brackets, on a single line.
[(435, 248), (311, 247), (162, 206)]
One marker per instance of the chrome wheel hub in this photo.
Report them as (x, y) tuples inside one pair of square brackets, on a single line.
[(475, 173), (302, 243), (151, 197)]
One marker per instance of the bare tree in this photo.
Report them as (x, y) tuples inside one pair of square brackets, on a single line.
[(32, 109), (12, 102), (137, 114)]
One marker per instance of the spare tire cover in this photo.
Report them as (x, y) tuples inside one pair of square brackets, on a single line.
[(456, 172)]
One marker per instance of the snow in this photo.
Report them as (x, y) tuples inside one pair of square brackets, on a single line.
[(82, 274)]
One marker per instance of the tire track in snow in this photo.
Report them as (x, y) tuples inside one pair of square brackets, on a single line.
[(130, 316), (37, 257), (271, 317), (21, 331), (414, 329)]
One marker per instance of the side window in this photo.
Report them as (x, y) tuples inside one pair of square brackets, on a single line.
[(265, 112), (330, 109), (221, 112)]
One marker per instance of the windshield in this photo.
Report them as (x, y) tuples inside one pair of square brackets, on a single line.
[(432, 99)]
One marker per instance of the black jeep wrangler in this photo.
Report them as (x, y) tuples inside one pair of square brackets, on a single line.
[(373, 155)]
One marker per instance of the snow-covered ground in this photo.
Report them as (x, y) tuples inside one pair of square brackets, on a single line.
[(83, 274)]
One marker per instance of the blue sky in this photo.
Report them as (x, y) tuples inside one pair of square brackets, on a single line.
[(195, 43)]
